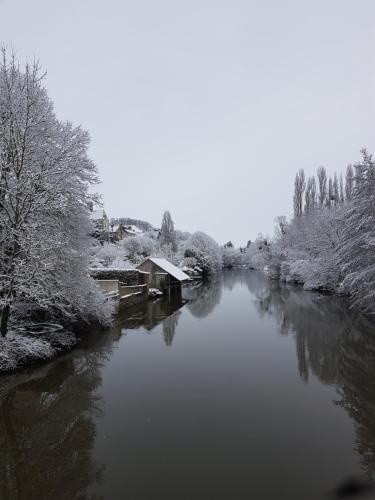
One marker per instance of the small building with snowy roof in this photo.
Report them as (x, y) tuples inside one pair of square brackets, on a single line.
[(132, 230), (162, 274), (117, 232)]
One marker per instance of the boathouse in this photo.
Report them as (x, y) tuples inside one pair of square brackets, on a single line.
[(162, 274)]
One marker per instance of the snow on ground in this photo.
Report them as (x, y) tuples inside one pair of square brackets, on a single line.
[(17, 349)]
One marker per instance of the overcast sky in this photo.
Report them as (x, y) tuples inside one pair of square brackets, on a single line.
[(206, 107)]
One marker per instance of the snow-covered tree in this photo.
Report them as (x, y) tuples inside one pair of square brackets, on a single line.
[(281, 224), (299, 188), (342, 196), (310, 196), (138, 247), (349, 182), (167, 231), (205, 251), (356, 252), (259, 253), (45, 175), (322, 183), (330, 197), (336, 190), (231, 256)]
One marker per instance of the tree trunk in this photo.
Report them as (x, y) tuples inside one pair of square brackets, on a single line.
[(4, 318)]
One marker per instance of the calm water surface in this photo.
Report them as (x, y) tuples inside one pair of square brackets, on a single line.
[(244, 389)]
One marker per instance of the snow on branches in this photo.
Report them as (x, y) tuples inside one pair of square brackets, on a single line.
[(45, 175)]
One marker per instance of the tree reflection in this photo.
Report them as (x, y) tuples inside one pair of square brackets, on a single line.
[(204, 296), (169, 327), (334, 344), (47, 427)]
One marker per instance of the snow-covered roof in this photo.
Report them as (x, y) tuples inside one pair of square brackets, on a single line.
[(132, 229), (97, 214), (169, 268)]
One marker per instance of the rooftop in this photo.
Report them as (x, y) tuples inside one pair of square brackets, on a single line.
[(169, 268)]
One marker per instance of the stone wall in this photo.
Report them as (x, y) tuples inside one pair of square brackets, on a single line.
[(108, 286), (129, 277), (133, 295), (127, 290)]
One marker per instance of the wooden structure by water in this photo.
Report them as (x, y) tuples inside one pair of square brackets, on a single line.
[(163, 275)]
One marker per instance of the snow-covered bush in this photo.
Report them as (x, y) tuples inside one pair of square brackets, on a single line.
[(299, 271), (19, 349), (112, 255)]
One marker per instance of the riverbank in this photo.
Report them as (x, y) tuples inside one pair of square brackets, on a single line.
[(33, 343), (21, 347)]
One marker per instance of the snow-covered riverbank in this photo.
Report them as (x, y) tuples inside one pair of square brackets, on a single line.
[(20, 348)]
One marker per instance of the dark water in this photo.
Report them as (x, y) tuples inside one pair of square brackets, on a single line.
[(250, 390)]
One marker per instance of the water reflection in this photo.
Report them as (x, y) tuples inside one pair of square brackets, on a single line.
[(47, 429), (147, 316), (214, 396), (332, 343), (204, 296)]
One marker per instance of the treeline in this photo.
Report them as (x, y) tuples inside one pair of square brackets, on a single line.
[(322, 191), (196, 254), (329, 244)]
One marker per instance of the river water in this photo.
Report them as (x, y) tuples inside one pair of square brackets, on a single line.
[(243, 389)]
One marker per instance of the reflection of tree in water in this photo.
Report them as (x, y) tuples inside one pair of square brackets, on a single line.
[(251, 279), (169, 327), (204, 296), (47, 429), (357, 387), (336, 345)]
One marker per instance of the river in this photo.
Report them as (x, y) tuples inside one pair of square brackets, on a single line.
[(243, 389)]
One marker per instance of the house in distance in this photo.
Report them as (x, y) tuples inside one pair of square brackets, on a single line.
[(117, 232), (162, 274)]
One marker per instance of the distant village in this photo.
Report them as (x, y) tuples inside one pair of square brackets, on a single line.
[(132, 260), (113, 230)]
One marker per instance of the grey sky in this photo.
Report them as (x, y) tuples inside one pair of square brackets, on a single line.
[(206, 107)]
